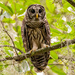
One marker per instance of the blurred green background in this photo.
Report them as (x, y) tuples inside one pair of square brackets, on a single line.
[(61, 18)]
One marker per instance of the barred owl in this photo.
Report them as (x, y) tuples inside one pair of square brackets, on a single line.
[(36, 34)]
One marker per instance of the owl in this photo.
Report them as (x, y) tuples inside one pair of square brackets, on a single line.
[(36, 34)]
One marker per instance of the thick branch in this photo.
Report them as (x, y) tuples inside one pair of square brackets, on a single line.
[(42, 50), (71, 2)]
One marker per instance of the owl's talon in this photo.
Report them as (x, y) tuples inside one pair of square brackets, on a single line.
[(47, 45), (30, 51)]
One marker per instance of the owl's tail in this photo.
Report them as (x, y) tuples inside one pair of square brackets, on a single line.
[(40, 61)]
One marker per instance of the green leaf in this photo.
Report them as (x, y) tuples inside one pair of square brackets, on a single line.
[(53, 55), (51, 61), (8, 51), (1, 66), (17, 29), (6, 8), (6, 43), (54, 30), (8, 20), (17, 44), (50, 5), (58, 70)]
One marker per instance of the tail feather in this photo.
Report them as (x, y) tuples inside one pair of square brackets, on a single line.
[(40, 61)]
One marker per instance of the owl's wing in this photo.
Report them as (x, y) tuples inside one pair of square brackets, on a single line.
[(24, 35), (47, 38)]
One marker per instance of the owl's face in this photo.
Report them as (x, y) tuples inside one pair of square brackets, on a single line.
[(36, 12)]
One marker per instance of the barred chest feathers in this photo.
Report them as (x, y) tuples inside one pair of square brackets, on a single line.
[(36, 35)]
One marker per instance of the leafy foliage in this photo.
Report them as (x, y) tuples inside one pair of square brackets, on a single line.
[(61, 17)]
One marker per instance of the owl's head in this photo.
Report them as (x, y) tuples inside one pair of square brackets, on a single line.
[(36, 12)]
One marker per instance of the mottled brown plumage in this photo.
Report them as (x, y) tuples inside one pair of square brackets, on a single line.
[(36, 34)]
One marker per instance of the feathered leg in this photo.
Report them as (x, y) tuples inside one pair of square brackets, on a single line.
[(35, 47)]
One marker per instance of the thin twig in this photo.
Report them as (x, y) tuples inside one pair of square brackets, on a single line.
[(56, 64), (12, 47), (9, 36), (8, 64), (67, 58), (39, 51)]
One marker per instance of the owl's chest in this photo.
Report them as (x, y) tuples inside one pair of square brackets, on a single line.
[(34, 33)]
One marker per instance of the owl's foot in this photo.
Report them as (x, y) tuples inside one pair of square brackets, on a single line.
[(47, 45), (32, 50), (44, 45)]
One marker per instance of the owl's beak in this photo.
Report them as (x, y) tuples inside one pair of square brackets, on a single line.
[(37, 15)]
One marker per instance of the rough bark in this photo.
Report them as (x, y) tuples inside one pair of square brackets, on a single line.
[(71, 2)]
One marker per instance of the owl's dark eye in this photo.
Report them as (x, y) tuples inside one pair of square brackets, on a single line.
[(32, 11), (40, 10)]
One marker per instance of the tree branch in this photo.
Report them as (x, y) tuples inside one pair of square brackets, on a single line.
[(12, 47), (39, 51), (66, 58), (57, 64), (71, 2), (9, 36)]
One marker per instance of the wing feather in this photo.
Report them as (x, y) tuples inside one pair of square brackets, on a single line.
[(47, 33), (24, 35)]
